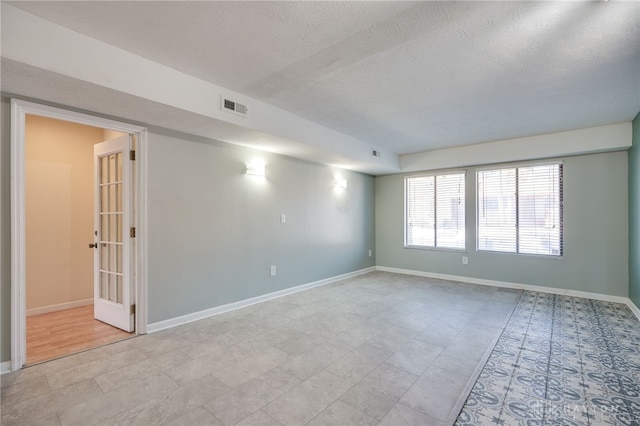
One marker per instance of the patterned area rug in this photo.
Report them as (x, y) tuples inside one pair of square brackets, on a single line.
[(560, 360)]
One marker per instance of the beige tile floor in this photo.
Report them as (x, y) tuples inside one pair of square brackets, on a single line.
[(380, 348)]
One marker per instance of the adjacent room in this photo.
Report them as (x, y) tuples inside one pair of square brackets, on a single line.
[(59, 199), (320, 213)]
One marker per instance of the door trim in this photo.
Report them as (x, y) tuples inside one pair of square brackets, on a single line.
[(19, 110)]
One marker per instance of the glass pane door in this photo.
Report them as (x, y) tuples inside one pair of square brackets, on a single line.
[(111, 230)]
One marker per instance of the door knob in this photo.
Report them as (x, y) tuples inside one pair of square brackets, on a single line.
[(93, 245)]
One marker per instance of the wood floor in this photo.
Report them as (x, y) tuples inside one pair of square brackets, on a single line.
[(61, 333)]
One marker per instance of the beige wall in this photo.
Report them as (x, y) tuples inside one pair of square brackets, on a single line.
[(59, 211), (111, 134)]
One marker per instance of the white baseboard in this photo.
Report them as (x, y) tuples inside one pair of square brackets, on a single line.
[(5, 367), (504, 284), (633, 308), (59, 307), (162, 325)]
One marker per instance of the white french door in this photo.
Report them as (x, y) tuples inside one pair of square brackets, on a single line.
[(113, 299)]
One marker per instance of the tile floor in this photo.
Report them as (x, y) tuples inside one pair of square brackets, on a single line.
[(561, 360), (379, 348)]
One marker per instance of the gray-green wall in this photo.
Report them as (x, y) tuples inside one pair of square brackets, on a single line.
[(634, 215), (595, 233), (213, 232)]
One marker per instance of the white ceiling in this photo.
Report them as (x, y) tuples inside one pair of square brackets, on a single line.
[(405, 76)]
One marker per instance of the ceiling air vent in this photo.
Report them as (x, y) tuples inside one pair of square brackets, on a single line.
[(235, 107)]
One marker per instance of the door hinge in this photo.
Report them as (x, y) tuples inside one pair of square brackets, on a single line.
[(132, 232), (132, 155)]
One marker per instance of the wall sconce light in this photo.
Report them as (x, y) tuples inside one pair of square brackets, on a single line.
[(255, 170), (341, 183)]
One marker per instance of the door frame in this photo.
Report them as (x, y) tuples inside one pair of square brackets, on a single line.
[(19, 110)]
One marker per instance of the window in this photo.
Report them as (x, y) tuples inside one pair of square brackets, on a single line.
[(520, 210), (435, 211)]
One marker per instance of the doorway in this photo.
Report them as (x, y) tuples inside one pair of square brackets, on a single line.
[(73, 206)]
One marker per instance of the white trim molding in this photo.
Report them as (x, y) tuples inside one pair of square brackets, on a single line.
[(612, 137), (5, 367), (58, 307), (18, 258), (504, 284), (173, 322), (634, 308), (19, 111)]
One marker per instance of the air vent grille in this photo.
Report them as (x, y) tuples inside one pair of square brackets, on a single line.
[(232, 106), (241, 109)]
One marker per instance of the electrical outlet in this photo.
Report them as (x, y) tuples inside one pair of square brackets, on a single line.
[(283, 218), (465, 260), (370, 253), (273, 270)]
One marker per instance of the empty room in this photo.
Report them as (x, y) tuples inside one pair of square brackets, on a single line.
[(320, 213)]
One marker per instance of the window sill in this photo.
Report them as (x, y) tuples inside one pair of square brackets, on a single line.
[(527, 255), (443, 249)]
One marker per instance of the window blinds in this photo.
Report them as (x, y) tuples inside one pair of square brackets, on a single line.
[(520, 210), (435, 211)]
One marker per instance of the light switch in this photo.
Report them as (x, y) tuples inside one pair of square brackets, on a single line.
[(283, 218)]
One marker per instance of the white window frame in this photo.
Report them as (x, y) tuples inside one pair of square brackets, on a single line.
[(561, 221), (406, 212)]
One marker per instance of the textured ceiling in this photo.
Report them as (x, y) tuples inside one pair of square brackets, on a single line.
[(406, 76)]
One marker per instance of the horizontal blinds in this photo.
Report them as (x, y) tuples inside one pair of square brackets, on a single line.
[(539, 209), (450, 211), (520, 210), (420, 211), (497, 210), (435, 211)]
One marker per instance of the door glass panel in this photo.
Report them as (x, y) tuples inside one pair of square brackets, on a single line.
[(119, 167), (104, 227), (104, 285), (119, 289), (104, 198), (119, 227), (112, 168), (112, 287), (119, 197), (103, 170), (104, 257), (112, 198), (111, 228), (113, 267), (119, 257)]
